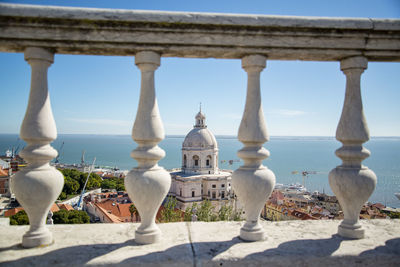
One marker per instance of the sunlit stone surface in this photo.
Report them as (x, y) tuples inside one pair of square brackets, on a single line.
[(290, 243)]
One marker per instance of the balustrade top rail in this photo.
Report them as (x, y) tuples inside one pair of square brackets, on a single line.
[(92, 31)]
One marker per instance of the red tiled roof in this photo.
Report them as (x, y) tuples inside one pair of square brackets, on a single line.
[(117, 209), (378, 206), (302, 216), (12, 212), (54, 207), (3, 173), (111, 217), (65, 207)]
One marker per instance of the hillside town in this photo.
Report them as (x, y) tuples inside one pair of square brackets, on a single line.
[(198, 183)]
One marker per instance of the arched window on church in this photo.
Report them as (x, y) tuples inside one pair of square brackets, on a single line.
[(184, 161), (208, 161), (196, 161)]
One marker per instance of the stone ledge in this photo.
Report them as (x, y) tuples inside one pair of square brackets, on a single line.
[(294, 243), (91, 31)]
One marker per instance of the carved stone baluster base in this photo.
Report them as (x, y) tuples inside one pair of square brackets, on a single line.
[(38, 185)]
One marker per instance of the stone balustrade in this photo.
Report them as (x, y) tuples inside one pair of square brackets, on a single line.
[(40, 32)]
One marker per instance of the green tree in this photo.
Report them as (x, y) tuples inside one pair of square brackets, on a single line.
[(120, 184), (70, 217), (21, 218), (108, 184), (71, 186), (189, 212), (113, 183), (62, 196), (71, 173), (394, 215), (225, 213), (93, 182), (237, 215), (80, 177), (205, 211), (133, 210), (169, 214)]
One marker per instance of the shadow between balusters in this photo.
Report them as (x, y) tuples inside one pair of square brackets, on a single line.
[(68, 256), (391, 248)]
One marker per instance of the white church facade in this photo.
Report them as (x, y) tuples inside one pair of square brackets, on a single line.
[(200, 178)]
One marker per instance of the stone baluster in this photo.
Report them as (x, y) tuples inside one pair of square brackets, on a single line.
[(147, 184), (38, 185), (352, 182), (253, 183)]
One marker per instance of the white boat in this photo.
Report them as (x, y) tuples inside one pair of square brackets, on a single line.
[(295, 188), (279, 186), (291, 188)]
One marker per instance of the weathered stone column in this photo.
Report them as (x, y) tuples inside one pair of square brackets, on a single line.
[(147, 184), (352, 182), (38, 185), (253, 182)]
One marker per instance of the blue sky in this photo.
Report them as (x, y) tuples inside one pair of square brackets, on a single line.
[(99, 95)]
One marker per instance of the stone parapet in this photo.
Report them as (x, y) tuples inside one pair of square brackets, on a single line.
[(289, 243), (68, 30)]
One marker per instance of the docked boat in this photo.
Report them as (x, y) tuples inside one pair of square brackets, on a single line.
[(291, 188)]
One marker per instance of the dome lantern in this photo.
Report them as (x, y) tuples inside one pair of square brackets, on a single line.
[(200, 120)]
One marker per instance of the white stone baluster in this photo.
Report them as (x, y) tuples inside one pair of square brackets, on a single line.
[(38, 185), (352, 182), (147, 184), (253, 183)]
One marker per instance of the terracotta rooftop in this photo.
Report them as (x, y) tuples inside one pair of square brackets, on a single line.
[(54, 207), (110, 216), (117, 209), (12, 212), (65, 207), (3, 173)]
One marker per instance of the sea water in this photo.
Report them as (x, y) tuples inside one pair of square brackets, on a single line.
[(290, 156)]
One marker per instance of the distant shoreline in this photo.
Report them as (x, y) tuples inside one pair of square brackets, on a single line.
[(280, 137)]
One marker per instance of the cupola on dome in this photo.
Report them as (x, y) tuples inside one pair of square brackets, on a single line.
[(200, 136)]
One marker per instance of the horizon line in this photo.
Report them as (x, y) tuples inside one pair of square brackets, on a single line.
[(227, 135)]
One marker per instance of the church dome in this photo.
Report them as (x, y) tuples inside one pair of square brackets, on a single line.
[(200, 138)]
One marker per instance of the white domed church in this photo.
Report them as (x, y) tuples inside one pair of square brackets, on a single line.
[(199, 177)]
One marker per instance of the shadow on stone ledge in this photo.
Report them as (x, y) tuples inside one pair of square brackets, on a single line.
[(320, 252), (69, 256), (308, 252)]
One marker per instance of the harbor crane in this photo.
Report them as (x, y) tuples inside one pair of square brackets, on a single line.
[(14, 150), (83, 158), (305, 175), (78, 205)]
